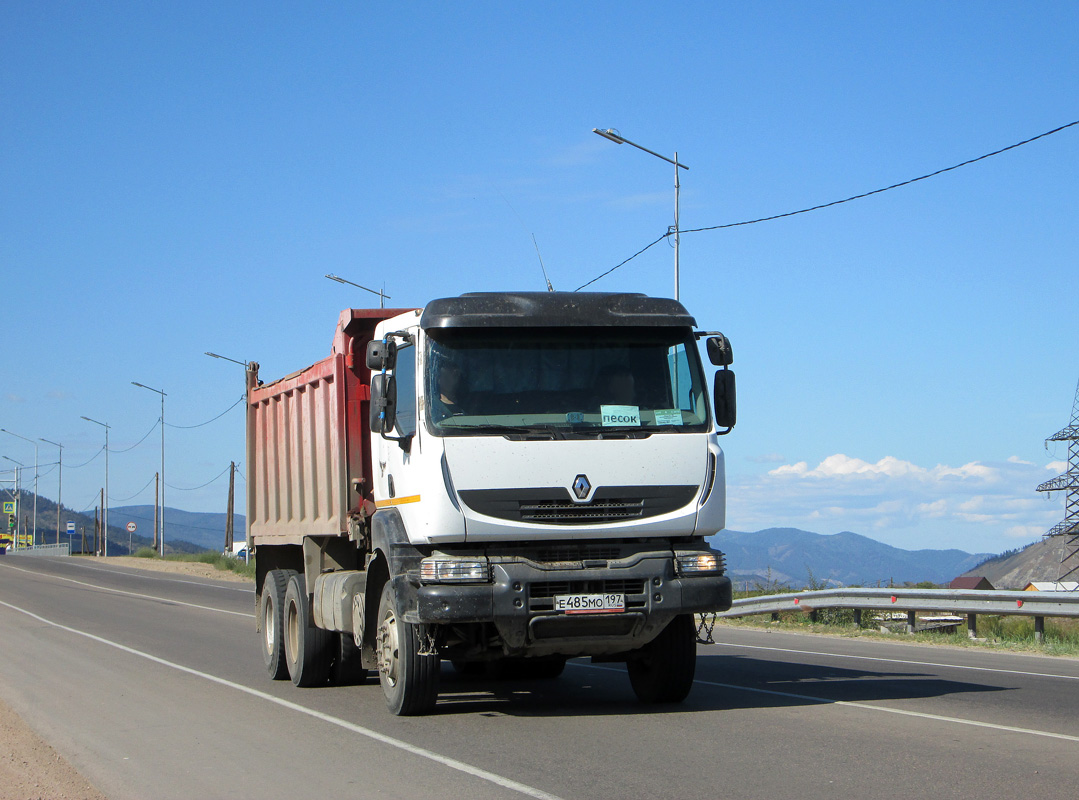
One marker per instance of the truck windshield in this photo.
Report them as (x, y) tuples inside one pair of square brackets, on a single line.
[(564, 382)]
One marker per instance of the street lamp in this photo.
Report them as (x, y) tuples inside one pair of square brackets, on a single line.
[(18, 494), (617, 138), (158, 391), (5, 430), (226, 358), (382, 296), (59, 486), (231, 517), (105, 510)]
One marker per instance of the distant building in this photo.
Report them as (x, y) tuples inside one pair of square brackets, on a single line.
[(975, 582), (1052, 586)]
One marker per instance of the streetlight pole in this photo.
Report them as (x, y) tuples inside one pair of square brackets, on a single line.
[(5, 430), (59, 486), (18, 494), (105, 510), (617, 138), (382, 296), (158, 391), (232, 475)]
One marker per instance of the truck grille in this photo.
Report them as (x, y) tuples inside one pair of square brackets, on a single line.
[(555, 506), (566, 513)]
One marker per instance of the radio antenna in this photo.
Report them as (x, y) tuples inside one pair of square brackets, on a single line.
[(544, 271), (550, 288)]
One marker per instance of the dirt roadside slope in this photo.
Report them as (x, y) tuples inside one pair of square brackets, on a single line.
[(29, 768)]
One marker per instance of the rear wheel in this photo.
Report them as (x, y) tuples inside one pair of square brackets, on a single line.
[(271, 622), (663, 670), (409, 680), (307, 648)]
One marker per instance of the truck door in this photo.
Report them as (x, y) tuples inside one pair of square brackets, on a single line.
[(399, 481)]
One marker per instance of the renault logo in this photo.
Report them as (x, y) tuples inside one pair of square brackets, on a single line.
[(581, 487)]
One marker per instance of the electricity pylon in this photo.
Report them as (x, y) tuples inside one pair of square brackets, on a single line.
[(1067, 482)]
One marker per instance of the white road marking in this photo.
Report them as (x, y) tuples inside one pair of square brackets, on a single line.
[(868, 707), (142, 574), (156, 597), (900, 661), (452, 763)]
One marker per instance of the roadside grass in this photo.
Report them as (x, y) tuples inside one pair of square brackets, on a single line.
[(218, 560), (1000, 632)]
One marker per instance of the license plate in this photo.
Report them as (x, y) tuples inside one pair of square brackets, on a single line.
[(590, 603)]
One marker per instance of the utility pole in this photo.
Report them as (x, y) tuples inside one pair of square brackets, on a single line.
[(157, 481), (229, 512), (97, 532), (59, 487)]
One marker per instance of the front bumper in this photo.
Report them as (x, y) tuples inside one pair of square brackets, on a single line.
[(519, 601)]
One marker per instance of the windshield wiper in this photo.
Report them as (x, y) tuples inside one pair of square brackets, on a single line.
[(532, 431)]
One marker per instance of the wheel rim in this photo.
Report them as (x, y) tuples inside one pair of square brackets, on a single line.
[(388, 649), (268, 632), (292, 632)]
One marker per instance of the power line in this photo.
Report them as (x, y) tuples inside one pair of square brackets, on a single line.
[(612, 269), (837, 202), (132, 497), (193, 488), (92, 458), (207, 422), (140, 441), (886, 188)]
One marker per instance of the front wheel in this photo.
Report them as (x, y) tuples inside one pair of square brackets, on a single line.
[(663, 670), (409, 680)]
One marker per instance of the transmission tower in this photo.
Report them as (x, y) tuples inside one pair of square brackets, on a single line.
[(1068, 482)]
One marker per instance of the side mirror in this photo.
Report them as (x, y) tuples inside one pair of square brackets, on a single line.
[(719, 351), (724, 401), (381, 355), (383, 402)]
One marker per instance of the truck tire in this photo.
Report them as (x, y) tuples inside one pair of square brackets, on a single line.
[(347, 669), (271, 619), (409, 680), (307, 648), (663, 670)]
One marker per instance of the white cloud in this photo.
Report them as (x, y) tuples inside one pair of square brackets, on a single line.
[(841, 465), (979, 507), (1057, 466)]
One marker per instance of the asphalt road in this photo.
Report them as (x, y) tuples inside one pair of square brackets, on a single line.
[(152, 686)]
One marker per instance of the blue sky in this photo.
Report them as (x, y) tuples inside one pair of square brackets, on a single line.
[(176, 178)]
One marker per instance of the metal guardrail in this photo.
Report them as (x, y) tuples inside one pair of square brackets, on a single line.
[(970, 602), (43, 550), (957, 601)]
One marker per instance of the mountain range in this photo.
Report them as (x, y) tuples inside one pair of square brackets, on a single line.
[(792, 557), (206, 530)]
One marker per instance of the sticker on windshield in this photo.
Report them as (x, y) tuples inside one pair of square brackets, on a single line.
[(668, 416), (620, 415)]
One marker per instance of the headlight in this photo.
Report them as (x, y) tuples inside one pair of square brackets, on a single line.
[(438, 569), (697, 563)]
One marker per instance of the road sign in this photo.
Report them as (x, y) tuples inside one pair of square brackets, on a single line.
[(71, 527), (9, 507), (131, 527)]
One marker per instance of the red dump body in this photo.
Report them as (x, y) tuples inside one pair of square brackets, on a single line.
[(308, 454)]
